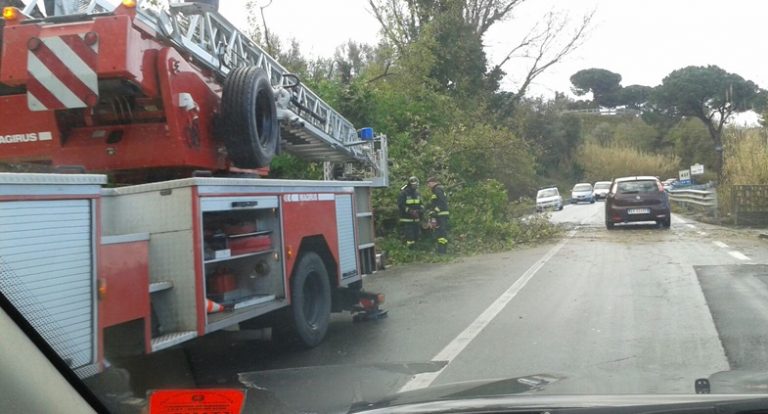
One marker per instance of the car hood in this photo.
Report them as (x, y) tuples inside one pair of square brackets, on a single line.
[(336, 388), (601, 190), (373, 388)]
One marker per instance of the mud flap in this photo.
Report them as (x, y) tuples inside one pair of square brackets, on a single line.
[(364, 306)]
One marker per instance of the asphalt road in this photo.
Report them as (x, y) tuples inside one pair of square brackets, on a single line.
[(639, 309)]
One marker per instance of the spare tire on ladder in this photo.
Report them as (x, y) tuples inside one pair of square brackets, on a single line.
[(249, 118)]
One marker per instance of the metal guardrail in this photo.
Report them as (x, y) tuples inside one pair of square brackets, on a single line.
[(702, 198)]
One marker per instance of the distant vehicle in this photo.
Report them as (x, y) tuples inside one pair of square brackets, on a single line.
[(582, 192), (635, 199), (601, 189), (548, 198), (669, 183)]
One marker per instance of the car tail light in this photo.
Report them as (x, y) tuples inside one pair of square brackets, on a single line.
[(661, 186)]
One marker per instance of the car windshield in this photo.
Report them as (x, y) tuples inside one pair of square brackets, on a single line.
[(335, 206), (550, 192), (645, 186), (582, 187)]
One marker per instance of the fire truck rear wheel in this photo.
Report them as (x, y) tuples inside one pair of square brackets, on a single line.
[(310, 302), (250, 126)]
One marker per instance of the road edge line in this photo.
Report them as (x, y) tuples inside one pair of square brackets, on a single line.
[(463, 339)]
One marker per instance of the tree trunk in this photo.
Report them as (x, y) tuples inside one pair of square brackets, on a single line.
[(717, 139)]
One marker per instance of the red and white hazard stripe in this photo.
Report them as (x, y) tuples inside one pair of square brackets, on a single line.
[(62, 72)]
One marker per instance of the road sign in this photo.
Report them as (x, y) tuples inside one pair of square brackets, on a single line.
[(697, 169), (685, 177)]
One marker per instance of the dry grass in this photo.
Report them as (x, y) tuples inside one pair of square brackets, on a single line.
[(607, 162), (745, 162), (746, 157)]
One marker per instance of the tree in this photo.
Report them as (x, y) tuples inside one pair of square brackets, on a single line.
[(402, 21), (602, 134), (604, 85), (458, 27), (633, 132), (709, 94), (690, 139), (553, 135), (545, 45), (635, 96)]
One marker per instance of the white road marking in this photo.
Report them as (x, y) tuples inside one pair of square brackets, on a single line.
[(718, 243), (460, 342), (678, 219), (702, 233), (738, 255), (690, 225)]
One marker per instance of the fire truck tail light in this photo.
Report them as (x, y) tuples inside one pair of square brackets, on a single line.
[(91, 38), (102, 288), (33, 43), (10, 13), (129, 3)]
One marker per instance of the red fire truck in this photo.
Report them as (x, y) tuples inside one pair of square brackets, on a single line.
[(152, 97)]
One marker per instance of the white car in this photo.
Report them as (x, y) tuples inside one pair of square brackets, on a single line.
[(548, 198), (601, 189), (582, 192)]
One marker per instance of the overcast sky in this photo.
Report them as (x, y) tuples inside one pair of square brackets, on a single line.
[(641, 40)]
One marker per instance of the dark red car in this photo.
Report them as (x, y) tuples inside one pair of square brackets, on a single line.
[(633, 199)]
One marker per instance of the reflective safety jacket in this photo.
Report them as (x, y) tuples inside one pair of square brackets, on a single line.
[(438, 202), (409, 204)]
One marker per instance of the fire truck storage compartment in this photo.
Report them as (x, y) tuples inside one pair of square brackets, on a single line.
[(203, 251), (242, 264), (48, 243), (365, 238)]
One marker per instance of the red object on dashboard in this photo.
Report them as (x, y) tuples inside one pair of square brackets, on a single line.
[(223, 401)]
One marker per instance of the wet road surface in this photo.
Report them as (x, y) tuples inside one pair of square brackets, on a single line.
[(639, 309)]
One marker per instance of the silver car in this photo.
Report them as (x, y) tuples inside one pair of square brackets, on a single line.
[(601, 189), (548, 198), (582, 192)]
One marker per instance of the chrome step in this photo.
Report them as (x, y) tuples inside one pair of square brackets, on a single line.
[(171, 339), (160, 286)]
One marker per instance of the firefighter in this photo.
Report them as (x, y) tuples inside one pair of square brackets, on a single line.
[(411, 209), (438, 213)]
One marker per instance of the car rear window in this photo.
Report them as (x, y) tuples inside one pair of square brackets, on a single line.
[(645, 186), (600, 186), (547, 193), (582, 187)]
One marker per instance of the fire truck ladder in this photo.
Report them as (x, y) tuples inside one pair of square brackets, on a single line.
[(310, 128)]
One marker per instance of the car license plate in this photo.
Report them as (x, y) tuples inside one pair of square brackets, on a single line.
[(639, 211)]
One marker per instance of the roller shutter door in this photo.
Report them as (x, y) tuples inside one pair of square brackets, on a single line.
[(46, 271)]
